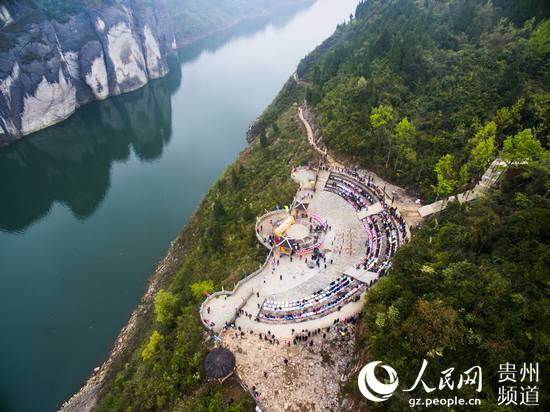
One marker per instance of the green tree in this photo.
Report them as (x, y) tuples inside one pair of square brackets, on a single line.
[(218, 211), (507, 118), (165, 307), (200, 289), (539, 42), (521, 200), (381, 119), (432, 328), (248, 214), (446, 176), (483, 153), (381, 116), (464, 175), (316, 77), (216, 403), (235, 179), (523, 147), (214, 237), (152, 345), (405, 142), (263, 139), (313, 94)]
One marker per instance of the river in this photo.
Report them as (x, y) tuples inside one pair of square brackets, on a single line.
[(87, 207)]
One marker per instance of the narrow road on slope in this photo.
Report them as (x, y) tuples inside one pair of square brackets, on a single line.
[(412, 211), (404, 202)]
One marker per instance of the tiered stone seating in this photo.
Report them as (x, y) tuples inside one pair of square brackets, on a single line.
[(353, 192), (382, 243), (339, 292), (382, 230)]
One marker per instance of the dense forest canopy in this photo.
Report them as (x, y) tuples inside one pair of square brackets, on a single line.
[(471, 288), (407, 83), (428, 93)]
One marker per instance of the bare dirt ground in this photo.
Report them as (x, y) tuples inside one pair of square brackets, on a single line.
[(309, 381)]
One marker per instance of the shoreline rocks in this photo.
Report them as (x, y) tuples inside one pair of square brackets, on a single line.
[(86, 398)]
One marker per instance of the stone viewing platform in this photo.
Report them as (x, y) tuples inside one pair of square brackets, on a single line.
[(326, 249)]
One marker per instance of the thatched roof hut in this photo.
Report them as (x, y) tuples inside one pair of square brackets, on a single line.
[(219, 364)]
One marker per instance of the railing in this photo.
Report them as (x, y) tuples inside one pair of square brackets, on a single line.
[(261, 219), (235, 288)]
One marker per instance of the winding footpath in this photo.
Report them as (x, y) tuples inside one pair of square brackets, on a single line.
[(403, 201), (412, 211)]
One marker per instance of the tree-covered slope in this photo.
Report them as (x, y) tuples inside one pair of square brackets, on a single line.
[(427, 93), (471, 288), (406, 83)]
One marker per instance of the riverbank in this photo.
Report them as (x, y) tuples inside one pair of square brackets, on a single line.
[(128, 338), (184, 251)]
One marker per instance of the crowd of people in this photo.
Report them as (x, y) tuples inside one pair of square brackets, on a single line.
[(400, 221), (338, 292), (381, 244), (354, 194), (383, 229)]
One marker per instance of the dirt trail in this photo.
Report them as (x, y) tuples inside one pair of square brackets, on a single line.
[(405, 203)]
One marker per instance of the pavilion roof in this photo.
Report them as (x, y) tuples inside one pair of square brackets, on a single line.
[(219, 363)]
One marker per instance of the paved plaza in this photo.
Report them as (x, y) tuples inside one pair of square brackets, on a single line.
[(337, 230)]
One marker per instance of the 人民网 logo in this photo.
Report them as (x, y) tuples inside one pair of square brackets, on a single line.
[(377, 390), (372, 388)]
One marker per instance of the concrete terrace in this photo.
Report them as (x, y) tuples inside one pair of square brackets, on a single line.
[(283, 278)]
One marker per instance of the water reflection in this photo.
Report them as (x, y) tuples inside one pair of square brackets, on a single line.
[(247, 28), (134, 169), (71, 164)]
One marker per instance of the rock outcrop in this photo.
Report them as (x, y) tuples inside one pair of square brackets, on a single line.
[(49, 67)]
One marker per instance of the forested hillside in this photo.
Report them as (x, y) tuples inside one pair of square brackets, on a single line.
[(471, 288), (165, 371), (407, 84), (427, 93)]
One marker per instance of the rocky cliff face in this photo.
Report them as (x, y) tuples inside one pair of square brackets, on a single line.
[(48, 67)]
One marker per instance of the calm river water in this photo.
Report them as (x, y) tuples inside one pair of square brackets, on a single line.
[(89, 206)]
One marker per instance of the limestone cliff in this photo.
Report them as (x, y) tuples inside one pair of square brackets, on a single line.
[(49, 67)]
